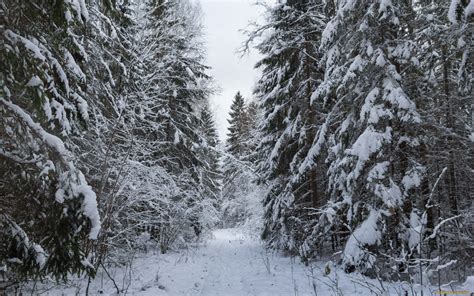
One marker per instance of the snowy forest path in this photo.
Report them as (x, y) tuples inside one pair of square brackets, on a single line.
[(229, 264)]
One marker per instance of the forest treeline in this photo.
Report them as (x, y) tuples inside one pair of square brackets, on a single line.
[(358, 142), (105, 133), (365, 134)]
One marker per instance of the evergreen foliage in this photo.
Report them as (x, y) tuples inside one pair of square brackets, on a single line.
[(115, 94), (239, 193), (358, 142), (365, 106)]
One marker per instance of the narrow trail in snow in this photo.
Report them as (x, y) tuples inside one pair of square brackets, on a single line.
[(229, 264), (236, 266), (233, 264)]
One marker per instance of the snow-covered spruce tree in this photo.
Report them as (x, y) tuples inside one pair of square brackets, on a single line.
[(122, 84), (371, 132), (250, 139), (211, 177), (104, 149), (291, 72), (444, 215), (233, 210), (134, 187), (237, 126), (146, 190), (177, 83), (238, 192), (48, 212)]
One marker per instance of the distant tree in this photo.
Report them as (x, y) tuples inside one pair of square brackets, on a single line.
[(249, 139), (238, 163), (237, 126), (211, 156)]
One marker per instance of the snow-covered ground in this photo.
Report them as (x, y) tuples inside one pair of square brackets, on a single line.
[(231, 263)]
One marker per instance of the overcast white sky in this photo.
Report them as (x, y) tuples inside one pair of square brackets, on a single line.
[(222, 21)]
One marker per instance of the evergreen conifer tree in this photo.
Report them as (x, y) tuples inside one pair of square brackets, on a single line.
[(291, 72), (48, 212), (237, 126)]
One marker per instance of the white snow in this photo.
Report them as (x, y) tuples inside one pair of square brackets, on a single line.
[(48, 112), (62, 75), (380, 61), (190, 72), (366, 234), (232, 263), (60, 195), (79, 187), (385, 5), (27, 43), (438, 226), (40, 255), (412, 179), (81, 48), (416, 227), (84, 11), (469, 283), (468, 11), (315, 149), (73, 66), (109, 72), (82, 106), (80, 7), (49, 139), (357, 65), (276, 149), (368, 143), (395, 95), (369, 105), (47, 167), (452, 11), (68, 16), (176, 138), (90, 205), (370, 49), (391, 195), (34, 81), (443, 266), (378, 171)]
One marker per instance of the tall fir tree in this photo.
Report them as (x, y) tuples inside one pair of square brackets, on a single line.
[(183, 88), (238, 192), (446, 89), (291, 72), (211, 178), (237, 126), (371, 179), (352, 117)]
